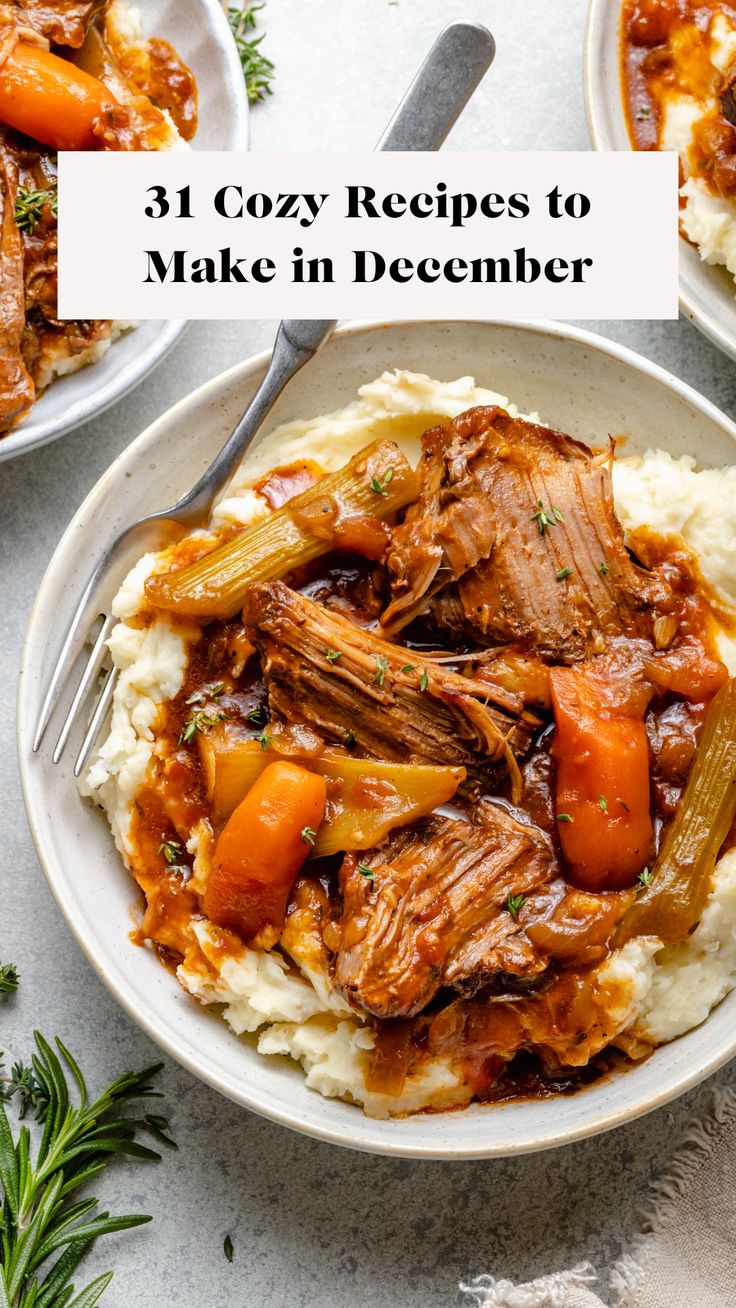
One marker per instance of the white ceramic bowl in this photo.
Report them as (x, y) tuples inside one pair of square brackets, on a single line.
[(707, 293), (202, 35), (577, 382)]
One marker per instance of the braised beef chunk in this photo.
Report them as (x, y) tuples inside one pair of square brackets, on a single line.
[(431, 908), (33, 340), (727, 94), (62, 22), (344, 682), (17, 391), (518, 522)]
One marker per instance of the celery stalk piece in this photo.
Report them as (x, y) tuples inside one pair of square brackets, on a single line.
[(672, 902), (376, 483)]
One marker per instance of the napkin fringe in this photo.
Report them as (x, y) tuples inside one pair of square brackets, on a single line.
[(664, 1195), (547, 1292)]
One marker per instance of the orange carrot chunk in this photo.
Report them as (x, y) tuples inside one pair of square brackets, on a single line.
[(261, 850), (602, 792), (50, 99)]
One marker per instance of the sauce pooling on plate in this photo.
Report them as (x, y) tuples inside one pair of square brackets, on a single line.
[(678, 69)]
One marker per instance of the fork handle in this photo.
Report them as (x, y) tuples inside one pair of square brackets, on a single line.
[(455, 65)]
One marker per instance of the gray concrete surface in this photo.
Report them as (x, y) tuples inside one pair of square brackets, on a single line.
[(312, 1225)]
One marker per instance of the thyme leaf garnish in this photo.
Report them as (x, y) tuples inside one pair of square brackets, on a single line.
[(514, 904), (381, 670), (547, 518), (258, 70), (379, 485), (30, 204), (645, 879)]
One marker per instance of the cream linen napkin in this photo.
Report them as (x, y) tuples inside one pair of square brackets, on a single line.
[(685, 1256)]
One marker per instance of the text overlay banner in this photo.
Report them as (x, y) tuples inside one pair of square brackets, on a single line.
[(451, 235)]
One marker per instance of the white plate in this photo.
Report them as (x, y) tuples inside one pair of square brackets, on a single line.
[(202, 35), (707, 293), (578, 382)]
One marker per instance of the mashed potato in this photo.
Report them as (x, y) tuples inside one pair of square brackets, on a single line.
[(708, 220), (289, 1005)]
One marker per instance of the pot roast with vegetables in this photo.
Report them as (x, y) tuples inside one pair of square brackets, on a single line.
[(445, 758), (73, 76)]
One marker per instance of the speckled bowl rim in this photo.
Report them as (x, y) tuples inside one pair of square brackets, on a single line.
[(393, 1137), (155, 339), (707, 294)]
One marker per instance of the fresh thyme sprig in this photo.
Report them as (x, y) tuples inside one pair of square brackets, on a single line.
[(37, 1218), (30, 204), (171, 850), (22, 1085), (199, 721), (645, 880), (545, 519), (258, 69), (205, 714), (8, 978), (514, 904), (379, 485), (211, 691), (381, 670)]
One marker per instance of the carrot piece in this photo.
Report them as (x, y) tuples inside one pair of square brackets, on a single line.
[(261, 850), (602, 795), (51, 99)]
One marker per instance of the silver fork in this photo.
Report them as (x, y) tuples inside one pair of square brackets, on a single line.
[(455, 65)]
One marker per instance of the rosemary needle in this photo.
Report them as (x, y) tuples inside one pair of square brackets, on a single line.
[(38, 1218)]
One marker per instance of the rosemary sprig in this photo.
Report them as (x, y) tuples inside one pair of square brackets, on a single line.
[(30, 204), (37, 1218), (258, 70), (8, 978)]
